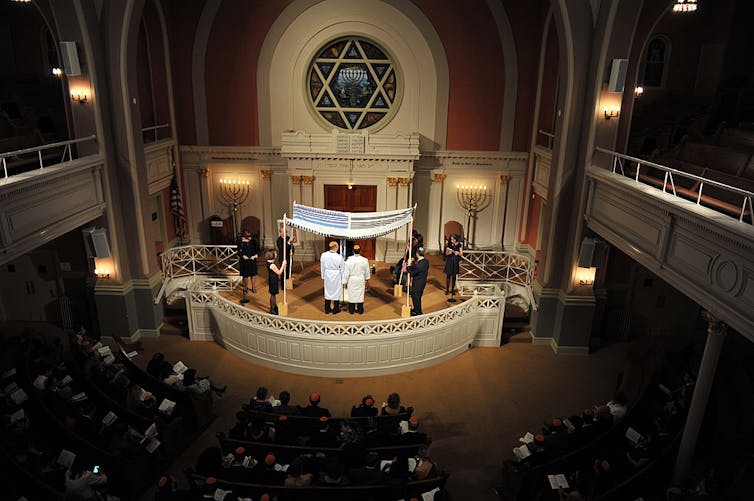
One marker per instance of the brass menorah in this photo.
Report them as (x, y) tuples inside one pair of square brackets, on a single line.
[(235, 192), (473, 199)]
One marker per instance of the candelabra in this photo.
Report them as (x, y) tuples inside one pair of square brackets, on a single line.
[(235, 192), (473, 199)]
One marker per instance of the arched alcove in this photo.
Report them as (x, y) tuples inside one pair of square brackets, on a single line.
[(299, 32)]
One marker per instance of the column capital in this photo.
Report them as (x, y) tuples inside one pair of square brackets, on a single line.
[(392, 181), (715, 326), (307, 179), (438, 178), (404, 181), (296, 180), (265, 173), (504, 178), (203, 172)]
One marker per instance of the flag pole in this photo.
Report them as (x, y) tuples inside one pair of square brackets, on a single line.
[(406, 309)]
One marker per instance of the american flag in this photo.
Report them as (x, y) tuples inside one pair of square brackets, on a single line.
[(176, 209)]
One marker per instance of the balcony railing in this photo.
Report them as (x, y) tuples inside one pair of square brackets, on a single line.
[(67, 151), (623, 164), (152, 134), (495, 266), (549, 139)]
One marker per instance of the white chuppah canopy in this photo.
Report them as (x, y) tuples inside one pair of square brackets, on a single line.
[(348, 225)]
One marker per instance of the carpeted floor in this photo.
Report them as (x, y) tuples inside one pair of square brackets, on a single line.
[(474, 406)]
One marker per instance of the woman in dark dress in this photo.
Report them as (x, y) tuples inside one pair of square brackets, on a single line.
[(248, 249), (273, 279), (453, 253)]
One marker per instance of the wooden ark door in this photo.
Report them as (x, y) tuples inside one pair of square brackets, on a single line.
[(359, 198)]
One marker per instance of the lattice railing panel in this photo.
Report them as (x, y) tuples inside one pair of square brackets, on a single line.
[(200, 260), (311, 327), (493, 266)]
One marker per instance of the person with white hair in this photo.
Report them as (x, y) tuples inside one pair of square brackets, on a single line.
[(331, 269)]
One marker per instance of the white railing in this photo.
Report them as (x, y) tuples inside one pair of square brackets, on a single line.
[(67, 151), (621, 164), (202, 296), (549, 138), (155, 129), (213, 260), (496, 266)]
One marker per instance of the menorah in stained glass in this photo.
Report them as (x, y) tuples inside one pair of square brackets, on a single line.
[(473, 199), (235, 192)]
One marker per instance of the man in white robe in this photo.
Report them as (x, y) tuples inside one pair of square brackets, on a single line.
[(355, 276), (331, 268)]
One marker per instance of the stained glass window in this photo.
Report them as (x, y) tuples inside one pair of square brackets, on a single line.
[(353, 84)]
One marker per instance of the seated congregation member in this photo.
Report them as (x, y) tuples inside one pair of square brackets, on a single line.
[(299, 474), (393, 405), (240, 430), (266, 473), (313, 409), (370, 473), (82, 484), (167, 490), (285, 406), (333, 474), (425, 467), (365, 409), (260, 402), (200, 386), (155, 365), (618, 406), (259, 432), (412, 435)]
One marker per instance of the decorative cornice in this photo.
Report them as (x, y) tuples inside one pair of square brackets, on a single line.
[(504, 179)]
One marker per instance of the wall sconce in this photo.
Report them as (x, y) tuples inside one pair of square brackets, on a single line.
[(638, 91), (79, 95), (611, 112), (102, 274), (684, 6), (57, 72), (585, 276)]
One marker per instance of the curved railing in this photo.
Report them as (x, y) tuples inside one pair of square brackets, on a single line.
[(204, 293)]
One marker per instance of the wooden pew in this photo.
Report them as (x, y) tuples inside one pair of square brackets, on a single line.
[(404, 490)]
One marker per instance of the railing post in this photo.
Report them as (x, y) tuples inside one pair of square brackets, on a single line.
[(39, 153), (5, 168)]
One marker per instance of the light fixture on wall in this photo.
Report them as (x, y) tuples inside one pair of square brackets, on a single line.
[(638, 91), (22, 1), (79, 94), (350, 174), (585, 276), (235, 192), (474, 199), (684, 6), (105, 275), (611, 112), (57, 72)]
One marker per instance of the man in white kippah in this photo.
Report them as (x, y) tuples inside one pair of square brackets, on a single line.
[(355, 276), (331, 268)]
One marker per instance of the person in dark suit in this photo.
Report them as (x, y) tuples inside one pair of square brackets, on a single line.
[(366, 409), (419, 270), (313, 409), (288, 255)]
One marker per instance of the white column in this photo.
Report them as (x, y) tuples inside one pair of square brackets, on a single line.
[(268, 229), (716, 331), (433, 240)]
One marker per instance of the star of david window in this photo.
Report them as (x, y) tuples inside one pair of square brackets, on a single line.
[(353, 84)]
